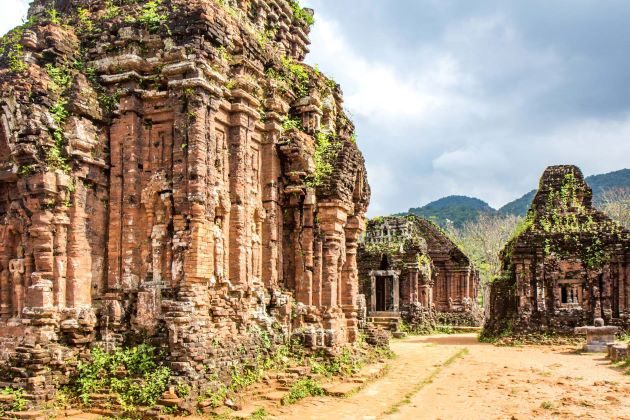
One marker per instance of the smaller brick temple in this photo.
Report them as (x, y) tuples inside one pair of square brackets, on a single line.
[(456, 279), (407, 265), (566, 265)]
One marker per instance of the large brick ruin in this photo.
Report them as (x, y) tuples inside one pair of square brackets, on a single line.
[(408, 265), (567, 264), (170, 172)]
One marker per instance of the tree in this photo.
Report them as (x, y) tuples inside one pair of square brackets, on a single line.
[(482, 239), (615, 203)]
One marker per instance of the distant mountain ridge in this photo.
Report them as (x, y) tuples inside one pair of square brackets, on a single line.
[(460, 208), (456, 208)]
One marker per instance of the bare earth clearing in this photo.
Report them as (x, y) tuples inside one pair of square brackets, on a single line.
[(455, 377)]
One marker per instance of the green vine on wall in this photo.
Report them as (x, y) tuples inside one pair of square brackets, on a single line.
[(11, 49), (327, 149), (61, 79)]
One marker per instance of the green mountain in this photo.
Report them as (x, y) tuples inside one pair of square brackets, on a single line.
[(519, 206), (601, 183), (459, 208), (456, 208), (598, 183)]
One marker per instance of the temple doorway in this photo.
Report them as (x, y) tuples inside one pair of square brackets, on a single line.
[(385, 290), (384, 293)]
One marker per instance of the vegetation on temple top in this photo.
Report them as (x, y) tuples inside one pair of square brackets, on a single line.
[(11, 51), (600, 184), (565, 227), (300, 14)]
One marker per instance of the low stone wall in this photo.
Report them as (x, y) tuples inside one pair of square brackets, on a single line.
[(420, 320), (472, 318)]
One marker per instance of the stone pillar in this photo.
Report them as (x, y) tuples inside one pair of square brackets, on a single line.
[(331, 253), (304, 256), (79, 272), (373, 291), (350, 275), (242, 123), (317, 272), (42, 242), (125, 231), (5, 275), (332, 218), (199, 262), (396, 286), (270, 174), (61, 222)]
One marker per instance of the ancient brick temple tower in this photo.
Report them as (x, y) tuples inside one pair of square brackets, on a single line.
[(171, 172), (567, 264)]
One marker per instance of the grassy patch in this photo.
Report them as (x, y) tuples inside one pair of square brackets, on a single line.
[(301, 389), (547, 405)]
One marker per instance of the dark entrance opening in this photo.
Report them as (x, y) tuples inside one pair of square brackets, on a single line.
[(564, 293), (384, 293)]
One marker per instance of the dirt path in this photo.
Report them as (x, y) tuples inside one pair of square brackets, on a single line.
[(455, 377)]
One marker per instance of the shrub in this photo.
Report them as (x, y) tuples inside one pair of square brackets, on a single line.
[(150, 16), (19, 401), (134, 374), (300, 14), (301, 389)]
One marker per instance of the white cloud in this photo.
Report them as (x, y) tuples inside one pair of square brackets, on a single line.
[(379, 90), (12, 14), (502, 170)]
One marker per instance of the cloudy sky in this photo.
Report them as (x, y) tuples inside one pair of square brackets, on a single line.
[(473, 97), (477, 97)]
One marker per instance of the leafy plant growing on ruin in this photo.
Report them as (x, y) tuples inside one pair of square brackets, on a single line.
[(85, 23), (61, 80), (111, 10), (53, 16), (151, 17), (300, 77), (300, 14), (109, 101), (303, 388), (11, 48), (291, 123), (19, 402), (327, 148), (134, 374)]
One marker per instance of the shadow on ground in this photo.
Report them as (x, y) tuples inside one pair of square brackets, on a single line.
[(450, 340)]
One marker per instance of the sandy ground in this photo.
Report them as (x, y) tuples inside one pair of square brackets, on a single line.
[(455, 377)]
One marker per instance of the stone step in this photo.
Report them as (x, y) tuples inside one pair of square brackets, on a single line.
[(461, 328), (383, 318), (341, 389), (275, 396), (385, 313)]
